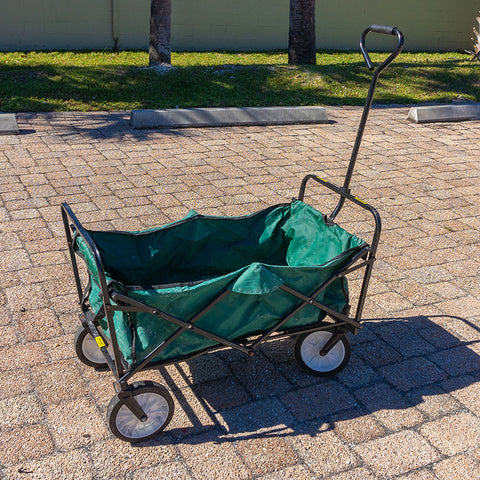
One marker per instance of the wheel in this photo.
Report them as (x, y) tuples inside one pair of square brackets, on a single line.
[(88, 351), (307, 353), (155, 401)]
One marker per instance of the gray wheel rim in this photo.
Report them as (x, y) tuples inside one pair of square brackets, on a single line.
[(92, 351), (157, 410), (310, 352)]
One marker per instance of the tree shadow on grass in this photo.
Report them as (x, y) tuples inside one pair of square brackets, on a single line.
[(398, 367), (69, 88)]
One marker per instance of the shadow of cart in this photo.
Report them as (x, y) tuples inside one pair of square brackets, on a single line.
[(402, 370)]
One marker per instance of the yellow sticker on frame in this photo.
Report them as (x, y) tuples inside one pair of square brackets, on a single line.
[(100, 341)]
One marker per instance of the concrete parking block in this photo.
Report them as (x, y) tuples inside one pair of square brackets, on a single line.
[(444, 113), (8, 124), (226, 117)]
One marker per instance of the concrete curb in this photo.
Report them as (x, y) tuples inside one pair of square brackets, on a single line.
[(223, 117), (8, 124), (444, 113)]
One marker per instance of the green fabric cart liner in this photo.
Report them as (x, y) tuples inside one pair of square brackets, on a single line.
[(181, 267)]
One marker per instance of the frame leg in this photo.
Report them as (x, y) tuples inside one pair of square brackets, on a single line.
[(129, 400), (337, 336)]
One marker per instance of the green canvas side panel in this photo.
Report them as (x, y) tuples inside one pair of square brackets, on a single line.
[(310, 241), (181, 267), (194, 248)]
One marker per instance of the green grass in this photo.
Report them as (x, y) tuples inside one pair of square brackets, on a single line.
[(61, 81)]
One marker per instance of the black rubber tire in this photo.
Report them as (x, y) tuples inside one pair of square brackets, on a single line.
[(85, 346), (157, 403), (307, 353)]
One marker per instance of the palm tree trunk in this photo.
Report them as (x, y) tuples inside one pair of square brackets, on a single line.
[(301, 34), (160, 32)]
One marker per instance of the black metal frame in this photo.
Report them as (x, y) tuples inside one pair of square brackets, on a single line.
[(339, 323)]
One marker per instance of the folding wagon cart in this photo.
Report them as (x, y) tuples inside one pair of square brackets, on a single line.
[(165, 295)]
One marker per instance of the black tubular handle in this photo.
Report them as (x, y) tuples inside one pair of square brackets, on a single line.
[(368, 102), (382, 29), (386, 31)]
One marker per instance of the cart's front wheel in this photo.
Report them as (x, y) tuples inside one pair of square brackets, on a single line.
[(154, 400), (87, 350), (309, 346)]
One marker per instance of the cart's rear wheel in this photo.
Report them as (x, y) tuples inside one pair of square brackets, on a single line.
[(155, 401), (87, 350), (307, 353)]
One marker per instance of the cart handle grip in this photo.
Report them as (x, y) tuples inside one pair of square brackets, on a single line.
[(387, 31), (382, 29)]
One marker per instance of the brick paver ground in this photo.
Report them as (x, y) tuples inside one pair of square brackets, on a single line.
[(406, 407)]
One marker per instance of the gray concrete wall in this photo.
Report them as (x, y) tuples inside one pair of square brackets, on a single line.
[(229, 24), (426, 24), (54, 24)]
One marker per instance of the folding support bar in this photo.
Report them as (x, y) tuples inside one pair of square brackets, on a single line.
[(172, 337), (346, 195), (118, 297), (308, 301), (357, 267), (315, 303), (278, 325)]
